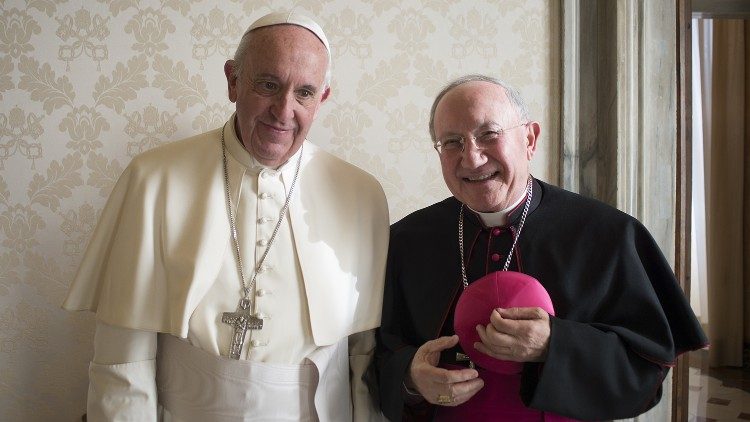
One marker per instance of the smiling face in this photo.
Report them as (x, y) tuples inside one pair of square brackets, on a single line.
[(279, 91), (493, 178)]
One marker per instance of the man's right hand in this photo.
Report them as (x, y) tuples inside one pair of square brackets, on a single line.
[(441, 386)]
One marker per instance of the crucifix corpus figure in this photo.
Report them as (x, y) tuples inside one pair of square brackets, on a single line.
[(242, 320)]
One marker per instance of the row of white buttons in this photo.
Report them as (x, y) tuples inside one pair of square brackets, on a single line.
[(263, 242), (261, 315)]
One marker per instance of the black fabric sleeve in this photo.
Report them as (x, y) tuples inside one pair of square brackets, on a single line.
[(627, 321), (591, 374), (392, 368), (392, 355)]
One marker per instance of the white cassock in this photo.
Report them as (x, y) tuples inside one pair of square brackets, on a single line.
[(161, 261)]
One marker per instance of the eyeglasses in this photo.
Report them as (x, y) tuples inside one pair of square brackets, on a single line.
[(485, 139)]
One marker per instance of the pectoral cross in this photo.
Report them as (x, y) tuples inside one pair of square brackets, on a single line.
[(460, 357), (242, 320)]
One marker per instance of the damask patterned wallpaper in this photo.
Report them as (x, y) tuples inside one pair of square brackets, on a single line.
[(86, 85)]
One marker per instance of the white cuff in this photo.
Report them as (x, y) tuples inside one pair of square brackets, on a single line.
[(122, 392)]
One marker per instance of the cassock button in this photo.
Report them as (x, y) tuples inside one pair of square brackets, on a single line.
[(265, 195), (495, 257), (262, 242), (261, 292), (256, 343), (496, 231), (264, 220)]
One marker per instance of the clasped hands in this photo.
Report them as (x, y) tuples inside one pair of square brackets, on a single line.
[(513, 334)]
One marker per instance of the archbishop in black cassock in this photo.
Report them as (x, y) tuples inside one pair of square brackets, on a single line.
[(621, 318)]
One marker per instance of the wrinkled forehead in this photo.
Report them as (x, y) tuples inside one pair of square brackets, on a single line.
[(287, 36), (288, 53), (474, 104), (286, 44)]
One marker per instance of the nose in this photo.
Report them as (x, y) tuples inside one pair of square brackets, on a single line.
[(472, 156), (282, 107)]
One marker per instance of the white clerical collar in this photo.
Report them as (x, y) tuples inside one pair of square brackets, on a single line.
[(499, 218), (239, 153)]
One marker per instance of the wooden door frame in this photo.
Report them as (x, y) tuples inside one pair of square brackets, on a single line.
[(680, 374)]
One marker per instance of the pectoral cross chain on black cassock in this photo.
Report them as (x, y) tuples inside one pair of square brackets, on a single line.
[(242, 320), (460, 357)]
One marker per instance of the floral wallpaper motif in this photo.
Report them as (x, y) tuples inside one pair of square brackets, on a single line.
[(86, 86), (82, 34)]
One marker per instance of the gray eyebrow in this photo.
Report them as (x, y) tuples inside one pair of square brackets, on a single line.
[(261, 76), (310, 88), (490, 125), (484, 126)]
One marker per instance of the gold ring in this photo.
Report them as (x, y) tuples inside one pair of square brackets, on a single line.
[(444, 399)]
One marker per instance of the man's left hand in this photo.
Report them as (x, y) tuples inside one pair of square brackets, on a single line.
[(516, 334)]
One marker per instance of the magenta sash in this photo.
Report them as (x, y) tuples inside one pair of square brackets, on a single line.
[(498, 400)]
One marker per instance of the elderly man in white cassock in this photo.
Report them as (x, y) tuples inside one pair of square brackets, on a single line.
[(238, 274)]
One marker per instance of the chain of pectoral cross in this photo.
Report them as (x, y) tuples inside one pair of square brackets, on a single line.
[(244, 319)]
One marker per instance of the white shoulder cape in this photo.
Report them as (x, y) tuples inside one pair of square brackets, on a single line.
[(159, 243)]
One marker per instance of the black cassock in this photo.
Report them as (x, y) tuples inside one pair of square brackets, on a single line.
[(621, 318)]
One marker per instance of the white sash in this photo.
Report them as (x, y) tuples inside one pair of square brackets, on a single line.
[(194, 385)]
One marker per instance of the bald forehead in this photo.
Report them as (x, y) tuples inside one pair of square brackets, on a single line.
[(476, 94), (471, 91)]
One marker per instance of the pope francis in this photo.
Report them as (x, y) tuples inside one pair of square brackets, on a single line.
[(238, 274)]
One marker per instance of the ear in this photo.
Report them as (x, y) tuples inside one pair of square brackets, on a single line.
[(231, 80), (325, 95), (323, 98), (532, 134)]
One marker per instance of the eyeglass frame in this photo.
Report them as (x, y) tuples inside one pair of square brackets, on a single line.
[(481, 146)]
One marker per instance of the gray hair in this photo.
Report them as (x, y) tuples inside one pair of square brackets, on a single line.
[(244, 46), (514, 96)]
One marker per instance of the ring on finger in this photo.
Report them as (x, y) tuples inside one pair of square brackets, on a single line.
[(444, 399)]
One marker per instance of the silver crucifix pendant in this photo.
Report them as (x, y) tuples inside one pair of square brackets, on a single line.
[(242, 320)]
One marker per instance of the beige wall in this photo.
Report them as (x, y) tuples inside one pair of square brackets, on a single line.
[(84, 88)]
